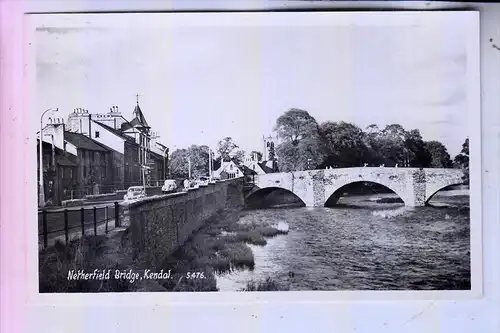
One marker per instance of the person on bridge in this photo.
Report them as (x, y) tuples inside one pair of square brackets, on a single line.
[(186, 184)]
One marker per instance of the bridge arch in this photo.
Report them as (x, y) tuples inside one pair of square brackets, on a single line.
[(335, 193), (258, 195), (434, 189)]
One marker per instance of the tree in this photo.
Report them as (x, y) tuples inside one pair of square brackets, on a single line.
[(295, 125), (258, 153), (439, 155), (226, 149), (419, 155), (300, 147), (343, 144), (303, 156), (197, 155), (462, 160)]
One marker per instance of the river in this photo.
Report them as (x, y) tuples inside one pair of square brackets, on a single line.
[(363, 245)]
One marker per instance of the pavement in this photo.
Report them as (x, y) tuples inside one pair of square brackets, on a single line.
[(77, 233), (98, 204)]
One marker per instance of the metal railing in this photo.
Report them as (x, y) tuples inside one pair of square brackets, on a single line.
[(66, 223)]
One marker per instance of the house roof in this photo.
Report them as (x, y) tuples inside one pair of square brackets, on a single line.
[(64, 161), (247, 171), (223, 167), (81, 141), (112, 130), (61, 159), (265, 168), (138, 122)]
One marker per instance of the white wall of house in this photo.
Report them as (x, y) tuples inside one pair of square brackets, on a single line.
[(110, 139), (70, 148), (230, 168)]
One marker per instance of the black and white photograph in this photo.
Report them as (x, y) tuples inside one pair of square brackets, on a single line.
[(245, 152)]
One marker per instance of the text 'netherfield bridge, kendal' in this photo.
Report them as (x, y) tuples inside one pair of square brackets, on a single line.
[(415, 186)]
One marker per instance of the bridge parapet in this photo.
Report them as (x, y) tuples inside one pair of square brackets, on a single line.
[(314, 187)]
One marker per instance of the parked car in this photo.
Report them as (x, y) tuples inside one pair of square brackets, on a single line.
[(203, 181), (169, 186), (135, 192)]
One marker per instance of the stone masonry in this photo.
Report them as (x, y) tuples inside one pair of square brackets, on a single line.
[(161, 224), (314, 187)]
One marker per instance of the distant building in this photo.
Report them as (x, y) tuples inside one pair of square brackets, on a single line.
[(269, 148), (252, 163), (95, 172), (228, 170), (59, 173), (133, 144)]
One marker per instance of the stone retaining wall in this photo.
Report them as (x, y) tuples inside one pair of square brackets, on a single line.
[(161, 224)]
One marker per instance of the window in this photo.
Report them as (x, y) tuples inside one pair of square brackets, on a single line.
[(231, 167), (253, 166), (84, 171), (96, 134)]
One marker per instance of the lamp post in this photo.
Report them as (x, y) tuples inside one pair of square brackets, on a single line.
[(41, 195), (165, 152)]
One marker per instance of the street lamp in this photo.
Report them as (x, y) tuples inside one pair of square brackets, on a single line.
[(41, 195), (165, 152)]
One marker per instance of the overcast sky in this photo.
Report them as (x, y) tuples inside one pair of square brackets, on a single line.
[(201, 83)]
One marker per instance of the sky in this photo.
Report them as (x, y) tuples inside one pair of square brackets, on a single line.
[(199, 83)]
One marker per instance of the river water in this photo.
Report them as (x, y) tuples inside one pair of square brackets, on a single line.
[(363, 245)]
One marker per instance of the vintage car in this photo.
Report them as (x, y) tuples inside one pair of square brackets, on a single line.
[(135, 192), (169, 186), (203, 181)]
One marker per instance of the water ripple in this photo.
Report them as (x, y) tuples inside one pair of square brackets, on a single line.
[(361, 249)]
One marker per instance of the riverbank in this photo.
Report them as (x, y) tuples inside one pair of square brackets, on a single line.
[(219, 247)]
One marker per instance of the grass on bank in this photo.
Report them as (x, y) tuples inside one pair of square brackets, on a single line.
[(219, 247), (266, 285), (80, 254)]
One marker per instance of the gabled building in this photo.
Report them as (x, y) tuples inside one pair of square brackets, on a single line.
[(260, 168), (228, 170), (139, 129), (130, 143)]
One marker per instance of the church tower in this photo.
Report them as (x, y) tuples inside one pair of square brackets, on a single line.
[(268, 152)]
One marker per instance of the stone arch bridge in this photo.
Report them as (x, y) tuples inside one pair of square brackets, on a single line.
[(315, 187)]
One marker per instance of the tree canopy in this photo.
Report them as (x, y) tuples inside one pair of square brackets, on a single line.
[(306, 144), (227, 149), (295, 125), (462, 160), (179, 162)]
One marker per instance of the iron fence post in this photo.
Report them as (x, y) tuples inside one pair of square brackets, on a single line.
[(66, 233), (106, 218), (95, 221), (45, 232), (117, 220), (82, 216)]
